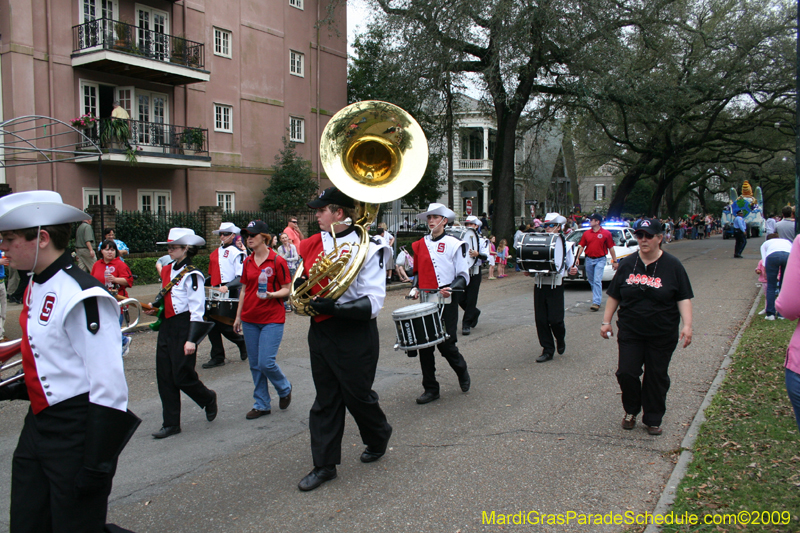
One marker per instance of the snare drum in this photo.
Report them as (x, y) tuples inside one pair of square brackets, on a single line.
[(542, 252), (222, 310), (418, 326), (469, 236)]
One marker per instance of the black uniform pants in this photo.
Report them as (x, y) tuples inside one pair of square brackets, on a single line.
[(548, 307), (741, 241), (46, 461), (175, 371), (469, 302), (649, 394), (344, 358), (448, 349), (215, 338)]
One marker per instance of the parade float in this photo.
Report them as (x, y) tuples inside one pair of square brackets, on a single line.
[(748, 203)]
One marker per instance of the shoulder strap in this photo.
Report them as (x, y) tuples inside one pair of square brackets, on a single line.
[(177, 279), (87, 281)]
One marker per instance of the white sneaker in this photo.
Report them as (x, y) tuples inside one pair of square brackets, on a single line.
[(126, 345), (763, 311), (770, 317)]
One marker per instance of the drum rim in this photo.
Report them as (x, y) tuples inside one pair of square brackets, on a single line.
[(430, 305)]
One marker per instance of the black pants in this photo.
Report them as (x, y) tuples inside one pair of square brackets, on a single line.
[(448, 349), (46, 461), (741, 241), (344, 358), (469, 302), (175, 371), (215, 338), (548, 306), (649, 394)]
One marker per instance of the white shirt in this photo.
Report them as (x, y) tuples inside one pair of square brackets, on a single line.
[(484, 248), (371, 279), (231, 259), (774, 245), (69, 358), (449, 258), (770, 226), (185, 297)]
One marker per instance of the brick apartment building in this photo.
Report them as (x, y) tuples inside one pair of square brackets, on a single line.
[(210, 87)]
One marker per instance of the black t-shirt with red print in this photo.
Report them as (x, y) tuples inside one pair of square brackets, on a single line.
[(648, 296)]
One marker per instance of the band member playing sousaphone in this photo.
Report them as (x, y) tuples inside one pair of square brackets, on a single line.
[(440, 266), (469, 303), (183, 328), (548, 297), (78, 422), (225, 271), (344, 345)]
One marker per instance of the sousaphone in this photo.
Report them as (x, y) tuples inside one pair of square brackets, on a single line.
[(374, 152)]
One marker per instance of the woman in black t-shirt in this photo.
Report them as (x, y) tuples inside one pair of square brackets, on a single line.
[(653, 294)]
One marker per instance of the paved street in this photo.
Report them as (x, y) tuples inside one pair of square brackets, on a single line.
[(541, 437)]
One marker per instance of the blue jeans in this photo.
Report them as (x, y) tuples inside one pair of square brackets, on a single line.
[(594, 273), (262, 342), (776, 262), (793, 388)]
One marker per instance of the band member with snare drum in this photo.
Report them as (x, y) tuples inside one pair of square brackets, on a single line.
[(440, 267), (225, 270), (182, 330), (261, 317), (548, 297), (344, 345), (78, 422), (469, 303)]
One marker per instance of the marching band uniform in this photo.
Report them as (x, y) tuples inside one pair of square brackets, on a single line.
[(78, 422), (548, 301), (469, 303), (441, 262), (344, 348), (183, 322), (225, 269)]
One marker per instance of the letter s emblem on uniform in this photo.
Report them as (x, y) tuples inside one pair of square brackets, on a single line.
[(225, 254), (440, 248), (48, 304)]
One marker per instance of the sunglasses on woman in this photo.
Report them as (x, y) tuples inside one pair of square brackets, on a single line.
[(642, 235)]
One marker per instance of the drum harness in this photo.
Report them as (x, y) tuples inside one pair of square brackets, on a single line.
[(554, 275)]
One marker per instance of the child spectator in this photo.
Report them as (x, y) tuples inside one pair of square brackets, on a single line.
[(502, 258)]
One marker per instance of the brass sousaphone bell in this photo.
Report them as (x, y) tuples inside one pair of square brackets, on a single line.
[(374, 152)]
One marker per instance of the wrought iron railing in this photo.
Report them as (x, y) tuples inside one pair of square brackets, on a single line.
[(108, 34), (149, 137)]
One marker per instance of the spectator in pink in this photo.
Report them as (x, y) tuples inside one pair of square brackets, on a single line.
[(293, 231), (788, 305)]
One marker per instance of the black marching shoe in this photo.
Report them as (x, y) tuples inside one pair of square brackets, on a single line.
[(464, 382), (211, 408), (167, 431), (212, 363), (317, 477), (243, 355), (561, 346), (544, 357), (465, 330), (427, 397), (369, 455)]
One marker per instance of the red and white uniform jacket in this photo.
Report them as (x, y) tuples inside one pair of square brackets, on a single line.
[(439, 261), (225, 265), (371, 279), (187, 295), (71, 339)]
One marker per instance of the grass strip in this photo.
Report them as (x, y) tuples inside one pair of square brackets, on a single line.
[(747, 453)]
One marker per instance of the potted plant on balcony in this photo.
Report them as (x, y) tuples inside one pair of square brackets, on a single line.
[(123, 37), (193, 140), (178, 50)]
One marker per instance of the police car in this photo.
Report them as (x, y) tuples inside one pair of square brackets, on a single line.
[(625, 245)]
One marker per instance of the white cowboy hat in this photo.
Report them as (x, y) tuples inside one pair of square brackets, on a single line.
[(36, 208), (472, 219), (554, 218), (184, 237), (437, 209), (227, 227)]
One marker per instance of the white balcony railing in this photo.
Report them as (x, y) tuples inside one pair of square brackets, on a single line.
[(474, 164)]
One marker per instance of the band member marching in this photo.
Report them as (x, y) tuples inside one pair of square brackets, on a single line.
[(225, 271), (440, 264), (469, 303), (344, 345), (548, 297), (182, 330), (78, 422)]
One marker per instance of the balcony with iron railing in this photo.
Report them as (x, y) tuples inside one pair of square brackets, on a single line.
[(149, 144), (117, 47)]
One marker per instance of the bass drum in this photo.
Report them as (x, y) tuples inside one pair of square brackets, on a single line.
[(469, 236), (542, 252)]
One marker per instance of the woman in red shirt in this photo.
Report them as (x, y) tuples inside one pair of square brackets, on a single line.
[(261, 317), (120, 277)]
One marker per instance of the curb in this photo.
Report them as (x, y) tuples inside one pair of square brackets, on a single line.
[(668, 495)]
